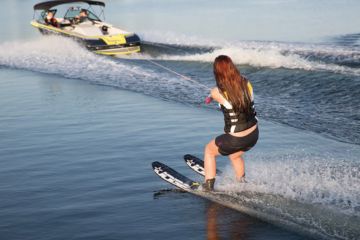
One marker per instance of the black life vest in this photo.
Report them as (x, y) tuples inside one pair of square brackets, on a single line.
[(238, 121)]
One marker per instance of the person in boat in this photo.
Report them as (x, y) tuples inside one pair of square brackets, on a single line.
[(234, 93), (51, 20), (82, 17)]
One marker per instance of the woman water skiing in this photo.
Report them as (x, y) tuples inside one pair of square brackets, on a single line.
[(234, 93)]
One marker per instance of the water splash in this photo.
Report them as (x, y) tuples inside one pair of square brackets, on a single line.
[(323, 94), (300, 190), (309, 179), (310, 57), (62, 56)]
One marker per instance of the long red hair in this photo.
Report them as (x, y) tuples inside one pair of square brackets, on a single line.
[(230, 81)]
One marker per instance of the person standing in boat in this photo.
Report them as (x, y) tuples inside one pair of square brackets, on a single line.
[(82, 17), (51, 20), (234, 93)]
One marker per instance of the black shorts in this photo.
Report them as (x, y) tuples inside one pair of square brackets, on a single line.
[(229, 144)]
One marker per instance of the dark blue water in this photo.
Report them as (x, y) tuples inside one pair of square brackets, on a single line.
[(78, 132)]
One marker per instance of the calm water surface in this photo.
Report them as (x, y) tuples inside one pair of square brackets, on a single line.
[(78, 132), (76, 165)]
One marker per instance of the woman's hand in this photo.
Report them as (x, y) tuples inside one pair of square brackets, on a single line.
[(208, 99), (214, 95)]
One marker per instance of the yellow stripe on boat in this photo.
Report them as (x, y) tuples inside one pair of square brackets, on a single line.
[(116, 51), (57, 30), (114, 39)]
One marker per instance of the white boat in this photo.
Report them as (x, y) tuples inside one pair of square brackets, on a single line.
[(83, 25)]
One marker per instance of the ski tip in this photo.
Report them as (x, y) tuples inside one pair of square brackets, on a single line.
[(156, 164), (189, 157)]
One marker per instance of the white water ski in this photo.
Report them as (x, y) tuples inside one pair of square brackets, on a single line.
[(173, 177), (267, 207), (197, 164)]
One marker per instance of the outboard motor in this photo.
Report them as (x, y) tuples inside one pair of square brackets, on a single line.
[(104, 30)]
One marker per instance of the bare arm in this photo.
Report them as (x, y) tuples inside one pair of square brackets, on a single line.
[(215, 94)]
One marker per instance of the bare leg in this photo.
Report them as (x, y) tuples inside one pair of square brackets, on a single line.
[(238, 164), (211, 151)]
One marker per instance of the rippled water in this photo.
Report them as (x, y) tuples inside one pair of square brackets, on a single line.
[(76, 163), (303, 86), (78, 134)]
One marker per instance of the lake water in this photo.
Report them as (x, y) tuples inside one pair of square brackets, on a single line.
[(78, 132)]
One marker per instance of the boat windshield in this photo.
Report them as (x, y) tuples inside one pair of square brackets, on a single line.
[(73, 12)]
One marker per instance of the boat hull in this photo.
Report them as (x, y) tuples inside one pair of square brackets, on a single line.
[(106, 45)]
